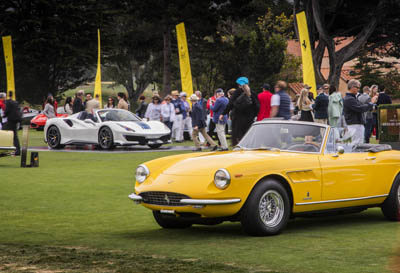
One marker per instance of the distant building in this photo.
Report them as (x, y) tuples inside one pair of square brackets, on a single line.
[(348, 72)]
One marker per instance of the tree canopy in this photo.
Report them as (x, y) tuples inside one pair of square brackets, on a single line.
[(55, 41)]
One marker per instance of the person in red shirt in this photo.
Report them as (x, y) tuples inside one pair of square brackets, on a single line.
[(265, 102), (211, 125)]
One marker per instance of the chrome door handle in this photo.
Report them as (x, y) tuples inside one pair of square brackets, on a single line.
[(370, 158)]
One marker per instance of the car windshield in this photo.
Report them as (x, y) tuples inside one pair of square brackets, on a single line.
[(117, 115), (283, 136)]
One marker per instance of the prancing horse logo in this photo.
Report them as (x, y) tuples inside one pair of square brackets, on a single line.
[(304, 44), (166, 199)]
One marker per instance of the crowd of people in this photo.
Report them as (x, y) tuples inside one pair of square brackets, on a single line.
[(356, 111)]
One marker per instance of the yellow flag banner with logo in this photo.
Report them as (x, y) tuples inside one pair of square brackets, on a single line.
[(97, 84), (8, 58), (184, 62), (306, 55)]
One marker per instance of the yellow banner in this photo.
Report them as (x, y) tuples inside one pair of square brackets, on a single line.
[(97, 84), (184, 62), (306, 55), (8, 58)]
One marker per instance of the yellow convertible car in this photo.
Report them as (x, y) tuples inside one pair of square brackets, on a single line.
[(279, 170), (6, 142)]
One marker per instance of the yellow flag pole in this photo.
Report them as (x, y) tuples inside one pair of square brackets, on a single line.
[(306, 55), (97, 84), (8, 57), (184, 61)]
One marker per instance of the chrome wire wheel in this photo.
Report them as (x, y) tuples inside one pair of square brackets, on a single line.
[(271, 208), (105, 138), (398, 196), (53, 137)]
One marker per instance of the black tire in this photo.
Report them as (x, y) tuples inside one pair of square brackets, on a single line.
[(279, 210), (53, 137), (106, 138), (391, 206), (170, 221), (154, 146)]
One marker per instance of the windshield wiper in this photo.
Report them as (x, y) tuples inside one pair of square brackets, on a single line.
[(259, 149), (268, 149)]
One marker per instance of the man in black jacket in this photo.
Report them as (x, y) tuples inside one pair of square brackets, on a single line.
[(353, 112), (383, 98), (321, 105), (13, 115), (199, 124), (78, 103), (244, 106)]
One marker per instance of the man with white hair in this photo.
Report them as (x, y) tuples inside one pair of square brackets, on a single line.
[(199, 124), (353, 111)]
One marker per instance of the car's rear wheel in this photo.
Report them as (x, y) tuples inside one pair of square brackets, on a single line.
[(53, 137), (106, 139), (170, 221), (391, 206), (154, 146), (267, 209)]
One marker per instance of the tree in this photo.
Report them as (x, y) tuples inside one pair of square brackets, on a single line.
[(53, 43), (363, 20), (257, 51)]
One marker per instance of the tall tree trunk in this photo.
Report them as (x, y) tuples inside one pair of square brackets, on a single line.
[(167, 61)]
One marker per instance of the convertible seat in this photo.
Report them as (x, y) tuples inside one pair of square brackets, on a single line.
[(372, 148)]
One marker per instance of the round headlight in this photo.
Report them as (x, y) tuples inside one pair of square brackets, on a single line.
[(142, 172), (222, 179)]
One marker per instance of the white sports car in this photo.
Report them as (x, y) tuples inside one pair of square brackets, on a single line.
[(106, 128)]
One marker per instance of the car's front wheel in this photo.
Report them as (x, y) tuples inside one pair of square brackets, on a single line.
[(267, 209), (154, 146), (391, 206), (106, 138), (53, 137), (170, 221)]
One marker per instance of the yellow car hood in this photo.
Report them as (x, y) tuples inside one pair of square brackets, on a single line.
[(210, 162)]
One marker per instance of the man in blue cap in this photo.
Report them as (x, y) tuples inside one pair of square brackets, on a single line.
[(244, 106)]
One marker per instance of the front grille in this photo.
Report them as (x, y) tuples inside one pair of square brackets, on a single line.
[(140, 139), (163, 198), (164, 138)]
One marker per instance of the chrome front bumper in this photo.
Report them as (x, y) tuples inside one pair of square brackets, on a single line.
[(195, 202), (8, 148)]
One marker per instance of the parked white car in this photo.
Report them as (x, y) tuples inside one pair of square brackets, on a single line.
[(106, 128)]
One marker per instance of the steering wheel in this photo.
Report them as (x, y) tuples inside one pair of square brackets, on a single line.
[(305, 147)]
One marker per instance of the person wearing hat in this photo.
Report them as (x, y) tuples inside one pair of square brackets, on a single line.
[(180, 113), (187, 120), (220, 104), (153, 111), (265, 102), (244, 105), (199, 124), (321, 105)]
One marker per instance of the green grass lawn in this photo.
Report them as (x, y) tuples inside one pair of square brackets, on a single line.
[(73, 213)]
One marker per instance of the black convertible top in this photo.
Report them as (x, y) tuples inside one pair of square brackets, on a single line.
[(372, 148)]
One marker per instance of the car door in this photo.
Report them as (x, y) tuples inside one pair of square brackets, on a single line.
[(346, 175), (82, 130)]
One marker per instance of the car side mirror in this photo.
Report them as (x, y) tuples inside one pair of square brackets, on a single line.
[(340, 150), (89, 121)]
